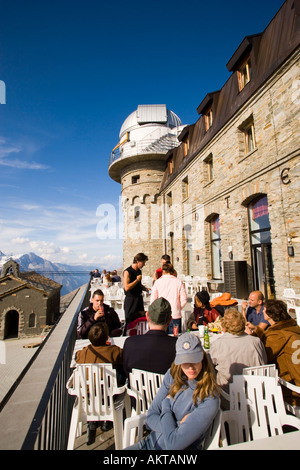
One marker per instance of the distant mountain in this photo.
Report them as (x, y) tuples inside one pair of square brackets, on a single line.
[(70, 277)]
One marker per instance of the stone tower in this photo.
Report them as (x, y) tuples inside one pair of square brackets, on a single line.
[(138, 163)]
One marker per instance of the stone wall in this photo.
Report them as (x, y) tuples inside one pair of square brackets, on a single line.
[(141, 204), (240, 177)]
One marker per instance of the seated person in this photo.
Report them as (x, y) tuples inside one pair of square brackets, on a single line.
[(203, 313), (281, 341), (115, 277), (99, 352), (235, 349), (155, 350), (98, 312), (95, 273), (187, 402), (254, 314), (107, 281)]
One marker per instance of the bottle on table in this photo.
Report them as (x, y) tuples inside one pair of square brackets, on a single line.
[(206, 338)]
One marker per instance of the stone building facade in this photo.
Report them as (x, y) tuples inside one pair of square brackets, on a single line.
[(28, 302), (229, 195)]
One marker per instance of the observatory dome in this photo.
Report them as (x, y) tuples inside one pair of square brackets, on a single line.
[(150, 115)]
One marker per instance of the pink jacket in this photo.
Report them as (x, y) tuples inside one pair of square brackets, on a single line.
[(173, 290)]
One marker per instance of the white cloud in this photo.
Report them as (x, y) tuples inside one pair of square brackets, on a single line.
[(60, 233), (7, 150), (20, 240)]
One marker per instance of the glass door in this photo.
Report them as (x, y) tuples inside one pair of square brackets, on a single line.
[(261, 247), (263, 270)]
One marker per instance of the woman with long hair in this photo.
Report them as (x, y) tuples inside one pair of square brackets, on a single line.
[(187, 402)]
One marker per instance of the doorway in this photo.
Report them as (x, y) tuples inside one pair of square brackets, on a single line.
[(263, 270), (261, 247), (11, 329)]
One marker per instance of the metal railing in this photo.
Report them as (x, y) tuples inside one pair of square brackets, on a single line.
[(38, 413), (147, 146)]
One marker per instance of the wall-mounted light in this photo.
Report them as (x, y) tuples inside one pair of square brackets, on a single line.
[(197, 257), (230, 252), (291, 252)]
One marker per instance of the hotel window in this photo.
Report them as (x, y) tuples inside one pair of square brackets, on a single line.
[(215, 239), (209, 168), (244, 73), (170, 165), (169, 199), (185, 188), (247, 142), (208, 119), (186, 146), (249, 137), (135, 179)]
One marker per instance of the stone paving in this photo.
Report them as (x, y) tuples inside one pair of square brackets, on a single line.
[(14, 357)]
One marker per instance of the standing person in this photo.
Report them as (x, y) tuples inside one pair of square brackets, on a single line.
[(133, 287), (172, 289), (254, 314), (186, 403), (155, 350), (158, 273)]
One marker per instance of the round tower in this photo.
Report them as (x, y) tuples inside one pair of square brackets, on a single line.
[(138, 163)]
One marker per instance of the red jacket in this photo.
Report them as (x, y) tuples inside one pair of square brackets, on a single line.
[(205, 316)]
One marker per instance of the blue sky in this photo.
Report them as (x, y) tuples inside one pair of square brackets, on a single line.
[(73, 71)]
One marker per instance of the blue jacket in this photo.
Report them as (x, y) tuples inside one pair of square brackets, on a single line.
[(165, 414)]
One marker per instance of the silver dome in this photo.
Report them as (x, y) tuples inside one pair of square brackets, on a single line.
[(150, 115)]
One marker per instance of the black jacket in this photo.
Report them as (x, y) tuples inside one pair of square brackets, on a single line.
[(154, 352), (86, 320)]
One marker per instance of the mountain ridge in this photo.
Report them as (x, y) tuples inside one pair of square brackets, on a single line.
[(69, 276)]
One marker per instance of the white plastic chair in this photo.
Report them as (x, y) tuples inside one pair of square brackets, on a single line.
[(140, 327), (295, 410), (215, 295), (297, 310), (266, 370), (271, 371), (143, 386), (288, 293), (94, 386), (134, 429), (257, 410)]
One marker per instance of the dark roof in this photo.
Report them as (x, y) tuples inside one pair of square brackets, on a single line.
[(32, 279), (39, 281), (268, 51)]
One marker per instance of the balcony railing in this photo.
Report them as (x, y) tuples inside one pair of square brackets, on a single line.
[(147, 146), (37, 414)]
